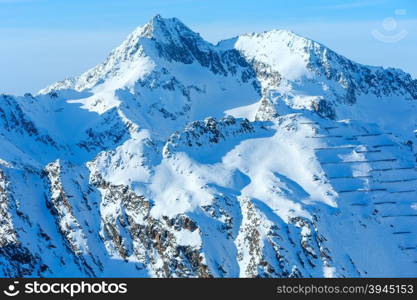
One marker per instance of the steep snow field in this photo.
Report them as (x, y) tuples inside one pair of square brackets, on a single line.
[(266, 155)]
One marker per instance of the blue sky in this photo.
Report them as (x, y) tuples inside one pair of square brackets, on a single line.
[(42, 41)]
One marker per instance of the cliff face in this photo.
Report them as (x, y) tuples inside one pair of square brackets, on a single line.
[(266, 155)]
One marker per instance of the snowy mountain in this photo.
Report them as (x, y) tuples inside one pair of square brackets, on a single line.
[(266, 155)]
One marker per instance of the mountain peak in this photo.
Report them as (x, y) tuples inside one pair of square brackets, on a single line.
[(162, 29), (291, 58)]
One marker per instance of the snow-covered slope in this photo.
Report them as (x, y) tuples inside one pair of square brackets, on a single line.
[(265, 155)]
